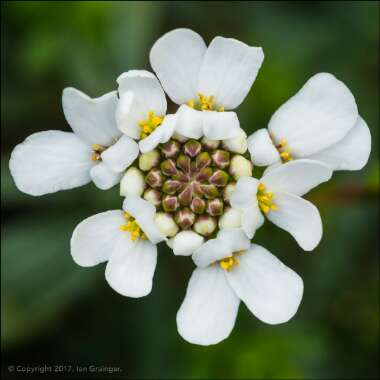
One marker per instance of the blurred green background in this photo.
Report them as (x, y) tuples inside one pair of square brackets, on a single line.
[(54, 312)]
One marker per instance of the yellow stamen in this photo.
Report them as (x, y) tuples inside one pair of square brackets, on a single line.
[(204, 103), (97, 151), (265, 199), (283, 149), (149, 125), (229, 262), (133, 228)]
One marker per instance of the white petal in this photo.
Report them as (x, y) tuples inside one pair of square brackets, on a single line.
[(185, 243), (103, 177), (226, 242), (128, 115), (251, 219), (261, 148), (297, 177), (120, 155), (230, 219), (50, 161), (244, 193), (319, 115), (144, 213), (229, 70), (270, 290), (237, 144), (160, 135), (299, 217), (189, 122), (176, 58), (220, 125), (350, 153), (95, 237), (131, 267), (208, 312), (93, 120)]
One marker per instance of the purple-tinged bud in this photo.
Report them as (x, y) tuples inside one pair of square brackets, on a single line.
[(219, 178), (181, 138), (204, 174), (209, 191), (185, 196), (227, 191), (149, 160), (198, 205), (221, 158), (170, 203), (168, 167), (171, 186), (210, 144), (205, 225), (153, 196), (183, 163), (170, 148), (192, 148), (185, 218), (214, 207), (203, 159), (154, 178), (180, 177)]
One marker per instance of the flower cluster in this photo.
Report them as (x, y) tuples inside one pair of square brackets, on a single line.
[(187, 178)]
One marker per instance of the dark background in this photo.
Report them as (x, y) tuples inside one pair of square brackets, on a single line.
[(54, 312)]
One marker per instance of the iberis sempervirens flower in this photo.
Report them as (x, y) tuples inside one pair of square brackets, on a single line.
[(187, 178)]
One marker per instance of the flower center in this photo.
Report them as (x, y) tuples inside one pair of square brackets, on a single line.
[(265, 199), (204, 103), (132, 227), (229, 262), (97, 150), (149, 125)]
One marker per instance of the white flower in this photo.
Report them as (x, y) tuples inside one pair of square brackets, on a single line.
[(50, 161), (205, 81), (278, 195), (230, 269), (127, 240), (141, 109), (320, 122)]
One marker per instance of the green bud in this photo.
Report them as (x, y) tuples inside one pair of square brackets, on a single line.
[(214, 207), (198, 205), (203, 159), (209, 191), (204, 175), (221, 158), (149, 160), (171, 186), (154, 178), (183, 163), (219, 178), (170, 203), (168, 167), (185, 196), (192, 148)]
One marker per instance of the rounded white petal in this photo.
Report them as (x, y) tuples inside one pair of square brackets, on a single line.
[(244, 193), (270, 290), (93, 120), (103, 177), (220, 125), (95, 237), (176, 58), (132, 183), (297, 177), (160, 135), (350, 153), (261, 148), (251, 219), (229, 70), (299, 217), (189, 122), (144, 213), (208, 312), (50, 161), (131, 267), (237, 144), (318, 116), (230, 219), (185, 243), (226, 242), (166, 224), (120, 155), (128, 115)]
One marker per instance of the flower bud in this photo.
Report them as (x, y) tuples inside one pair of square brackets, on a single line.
[(203, 159), (219, 178), (204, 175), (192, 148), (227, 191), (210, 144), (154, 178), (209, 191), (185, 196), (166, 224), (183, 163), (170, 203), (168, 167), (221, 158), (148, 160), (214, 207), (205, 225), (153, 196), (230, 219), (181, 138), (171, 186), (132, 182), (237, 144), (170, 148), (198, 205), (240, 167), (185, 218)]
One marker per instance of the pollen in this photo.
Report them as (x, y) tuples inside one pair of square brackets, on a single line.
[(133, 228), (149, 125), (285, 152), (229, 262), (204, 103), (97, 150), (265, 199)]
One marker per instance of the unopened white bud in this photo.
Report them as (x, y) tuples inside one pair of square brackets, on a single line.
[(166, 224), (148, 160), (185, 243), (205, 225), (237, 144), (181, 138), (230, 219), (228, 190), (210, 144), (132, 183), (240, 167)]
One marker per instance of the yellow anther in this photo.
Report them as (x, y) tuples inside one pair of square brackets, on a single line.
[(191, 103), (204, 103), (229, 262), (221, 109), (133, 228), (95, 157), (149, 125), (265, 199), (97, 150)]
